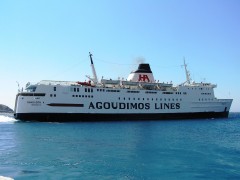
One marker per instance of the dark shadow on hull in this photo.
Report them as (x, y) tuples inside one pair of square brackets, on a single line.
[(75, 117)]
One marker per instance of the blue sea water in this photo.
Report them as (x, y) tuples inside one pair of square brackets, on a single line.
[(174, 149)]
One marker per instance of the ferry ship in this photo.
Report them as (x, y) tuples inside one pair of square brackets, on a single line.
[(139, 97)]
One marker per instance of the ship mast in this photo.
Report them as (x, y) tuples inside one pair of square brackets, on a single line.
[(95, 80), (188, 79)]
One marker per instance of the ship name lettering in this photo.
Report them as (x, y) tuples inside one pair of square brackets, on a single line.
[(34, 103), (167, 106), (118, 105)]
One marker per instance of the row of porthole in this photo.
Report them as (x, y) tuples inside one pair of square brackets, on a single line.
[(148, 99), (205, 93), (205, 99), (199, 88), (83, 96)]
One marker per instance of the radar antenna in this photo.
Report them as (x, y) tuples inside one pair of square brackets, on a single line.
[(95, 80), (188, 78), (18, 87)]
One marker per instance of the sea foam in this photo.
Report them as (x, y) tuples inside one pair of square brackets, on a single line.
[(5, 178), (6, 118)]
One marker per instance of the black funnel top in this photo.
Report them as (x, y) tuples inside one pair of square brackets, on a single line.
[(143, 68)]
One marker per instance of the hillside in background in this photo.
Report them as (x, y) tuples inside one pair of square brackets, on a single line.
[(5, 109)]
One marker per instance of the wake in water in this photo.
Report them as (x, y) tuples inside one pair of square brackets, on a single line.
[(5, 178), (7, 118)]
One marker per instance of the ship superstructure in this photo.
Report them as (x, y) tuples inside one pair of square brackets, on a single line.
[(140, 97)]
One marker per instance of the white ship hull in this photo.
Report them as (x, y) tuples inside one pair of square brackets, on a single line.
[(92, 103)]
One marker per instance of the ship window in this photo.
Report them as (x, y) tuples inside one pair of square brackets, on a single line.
[(76, 95), (91, 96), (54, 88), (131, 91), (151, 92), (143, 99), (32, 94), (112, 90), (119, 98), (73, 95), (180, 99), (85, 89), (138, 98), (31, 88), (54, 95), (128, 98), (91, 90), (77, 89), (50, 95), (167, 92)]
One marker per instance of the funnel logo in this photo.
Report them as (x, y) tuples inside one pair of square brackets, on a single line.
[(143, 78)]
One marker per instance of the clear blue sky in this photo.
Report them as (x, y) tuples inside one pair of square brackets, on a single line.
[(50, 39)]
